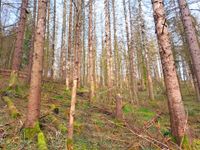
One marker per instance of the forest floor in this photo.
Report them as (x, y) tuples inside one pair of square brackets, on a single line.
[(145, 126)]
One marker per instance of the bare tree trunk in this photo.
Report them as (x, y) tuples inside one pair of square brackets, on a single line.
[(145, 49), (69, 47), (32, 41), (176, 109), (191, 37), (36, 74), (53, 41), (91, 52), (132, 77), (75, 75), (63, 43), (108, 48), (17, 56)]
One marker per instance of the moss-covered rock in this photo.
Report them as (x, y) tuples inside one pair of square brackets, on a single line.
[(41, 142)]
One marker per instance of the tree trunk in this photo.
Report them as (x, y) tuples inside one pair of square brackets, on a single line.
[(68, 67), (75, 75), (108, 48), (176, 109), (17, 56), (91, 52), (32, 41), (53, 41), (36, 74), (63, 43), (191, 37)]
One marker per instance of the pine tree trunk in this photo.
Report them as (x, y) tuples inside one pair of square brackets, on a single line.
[(191, 37), (17, 56), (108, 48), (91, 52), (175, 104), (63, 43), (32, 41), (36, 74), (68, 67)]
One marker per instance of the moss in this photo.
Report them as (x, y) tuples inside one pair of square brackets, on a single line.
[(29, 133), (128, 108), (12, 109), (13, 79), (69, 144), (186, 143), (41, 142), (62, 128), (196, 144)]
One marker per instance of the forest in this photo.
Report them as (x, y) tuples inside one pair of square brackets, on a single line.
[(99, 75)]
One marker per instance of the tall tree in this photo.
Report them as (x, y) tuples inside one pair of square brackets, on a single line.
[(191, 37), (36, 74), (68, 67), (176, 109), (64, 42), (53, 40), (91, 51), (75, 74), (132, 77), (17, 56), (108, 47)]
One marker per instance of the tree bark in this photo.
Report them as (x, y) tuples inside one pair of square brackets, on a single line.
[(176, 109), (36, 74), (191, 37), (68, 67), (63, 43), (91, 52), (17, 56)]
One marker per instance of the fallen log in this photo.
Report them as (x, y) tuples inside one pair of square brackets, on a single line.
[(11, 107)]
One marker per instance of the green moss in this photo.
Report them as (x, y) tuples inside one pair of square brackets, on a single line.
[(196, 144), (69, 144), (186, 143), (145, 113), (128, 108), (13, 79), (41, 142), (62, 128), (12, 109), (29, 133)]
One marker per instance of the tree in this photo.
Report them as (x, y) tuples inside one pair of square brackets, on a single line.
[(36, 74), (175, 105), (75, 74), (191, 37), (91, 52), (108, 47), (17, 56), (63, 43), (68, 67)]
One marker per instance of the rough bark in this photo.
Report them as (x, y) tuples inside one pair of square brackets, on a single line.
[(36, 74), (175, 104), (17, 56), (191, 37)]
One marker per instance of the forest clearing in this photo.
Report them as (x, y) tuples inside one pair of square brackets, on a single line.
[(99, 75)]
